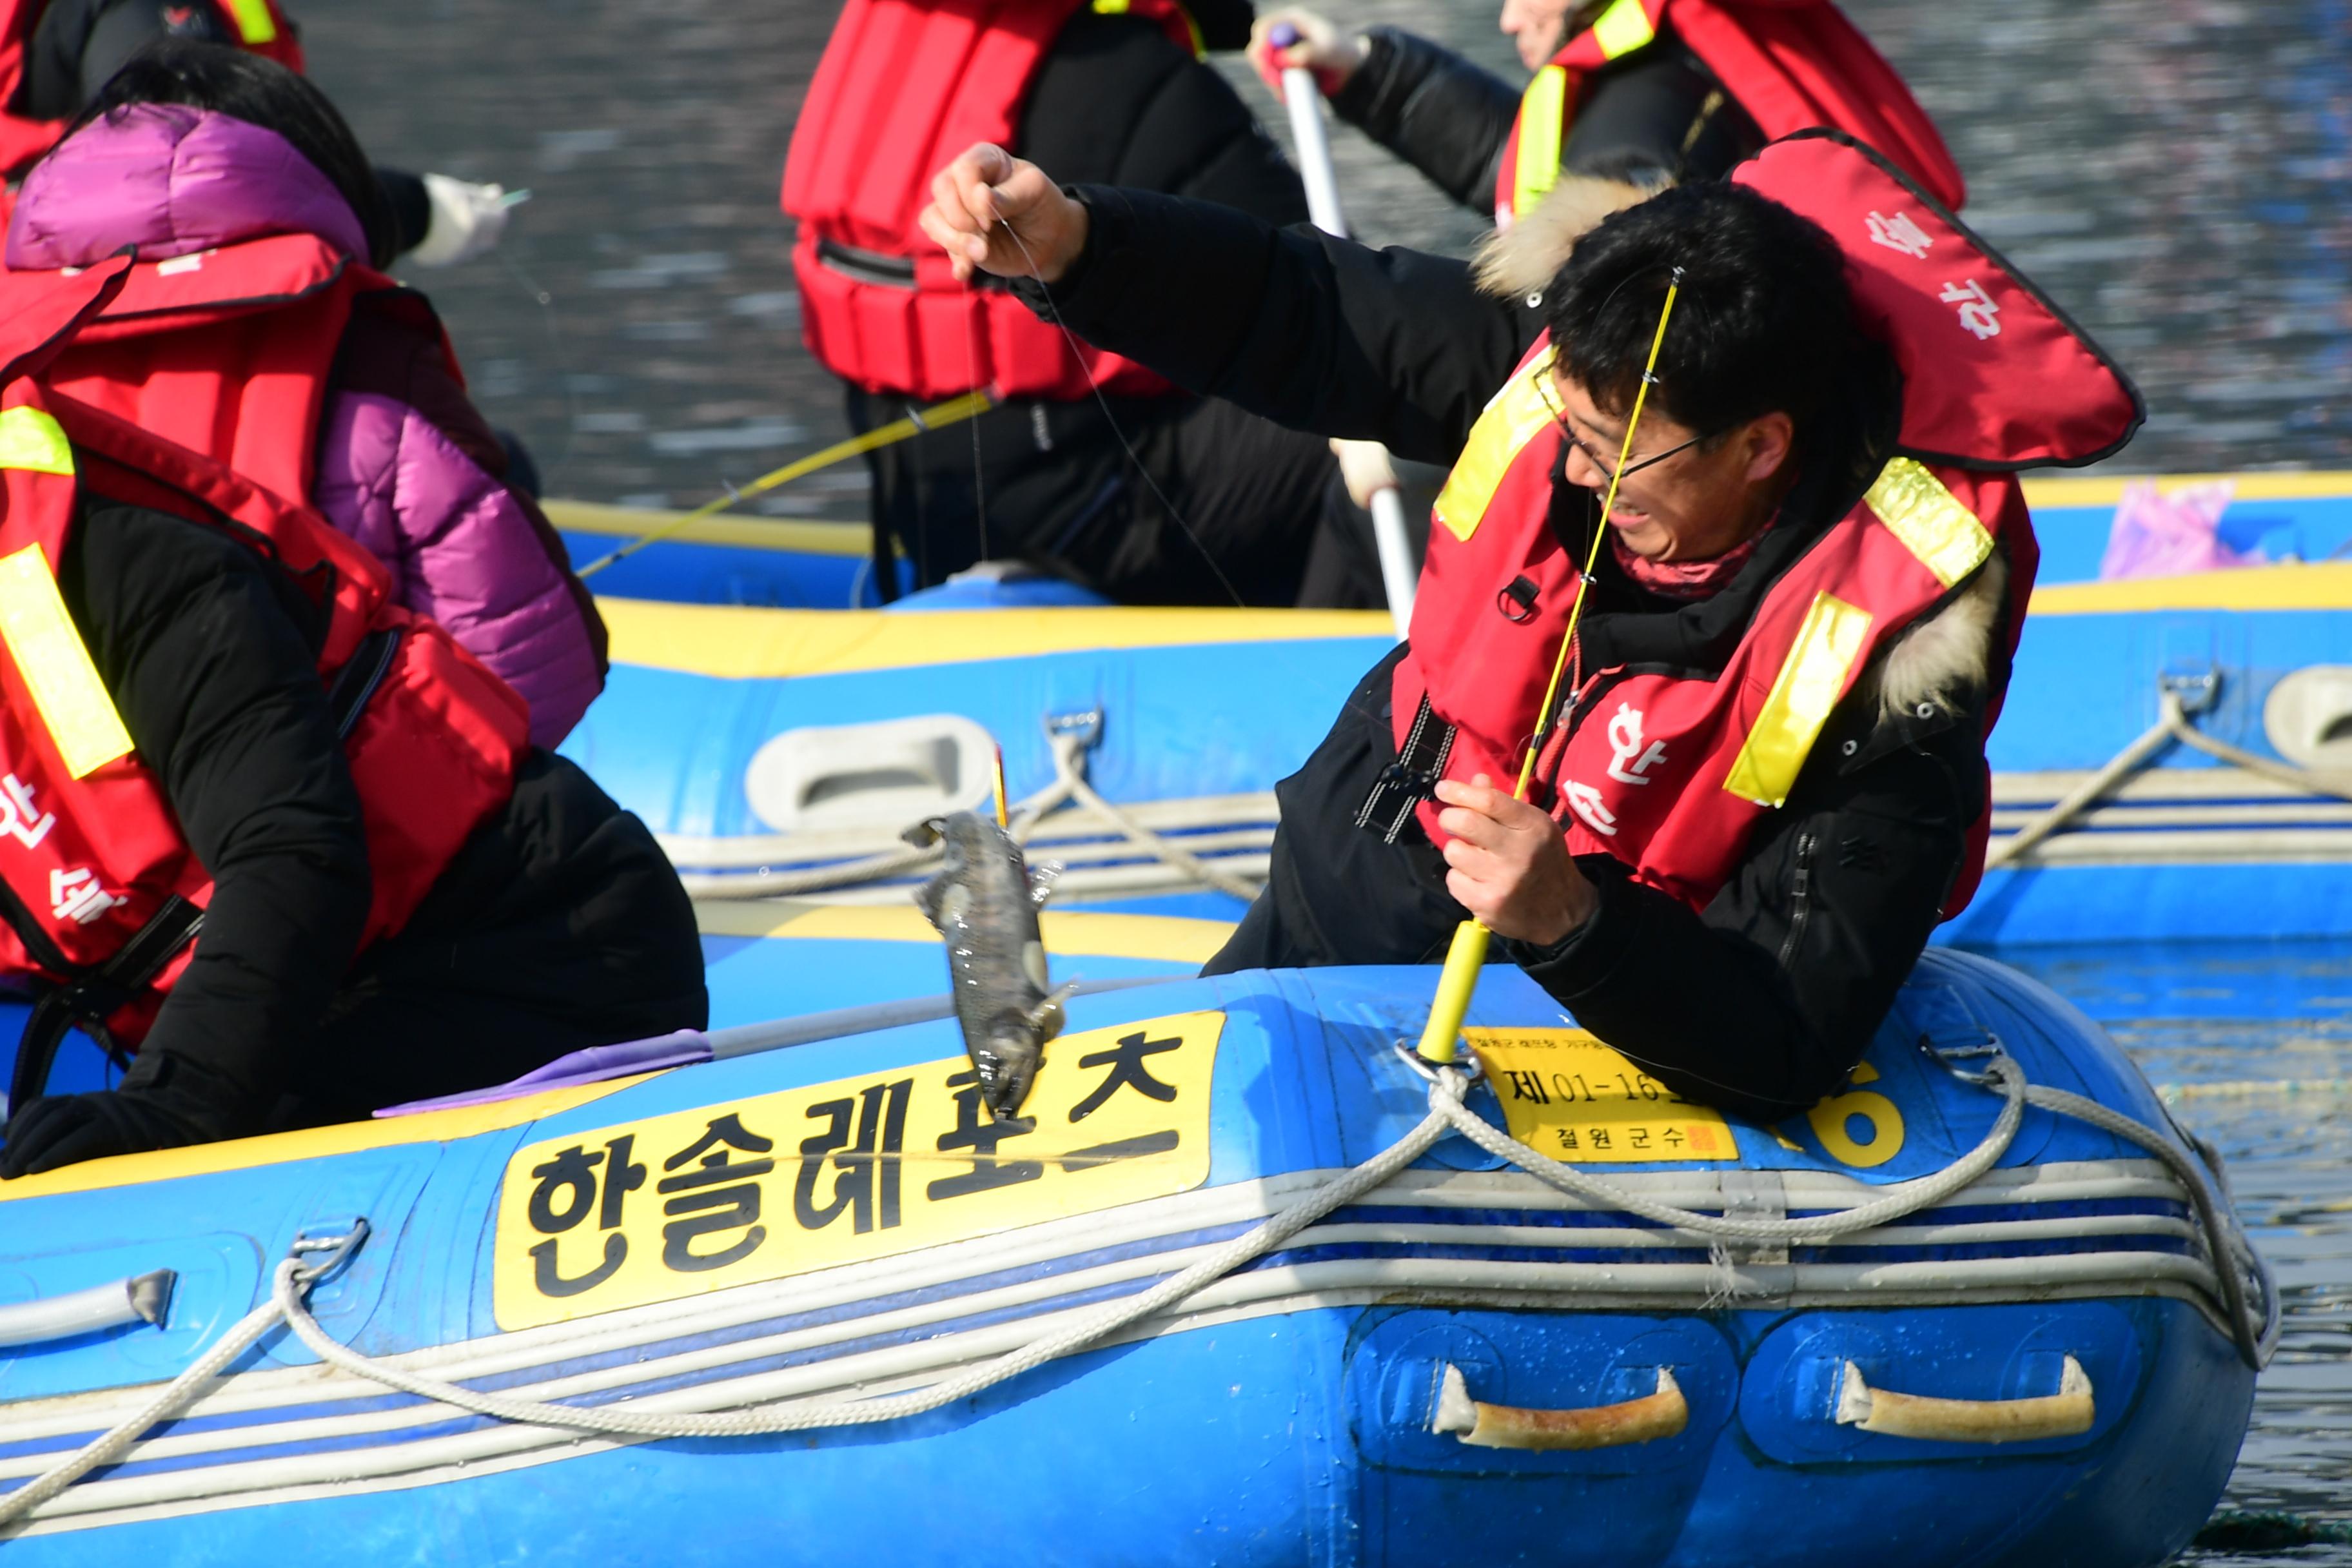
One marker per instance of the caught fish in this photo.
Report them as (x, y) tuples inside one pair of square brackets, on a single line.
[(984, 901)]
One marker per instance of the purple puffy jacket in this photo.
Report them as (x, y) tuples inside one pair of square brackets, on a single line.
[(405, 463)]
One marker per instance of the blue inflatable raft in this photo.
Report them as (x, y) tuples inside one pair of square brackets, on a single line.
[(2177, 752), (2035, 1344)]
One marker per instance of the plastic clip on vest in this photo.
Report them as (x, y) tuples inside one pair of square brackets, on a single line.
[(1467, 954)]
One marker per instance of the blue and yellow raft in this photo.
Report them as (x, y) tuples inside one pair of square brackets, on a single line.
[(2209, 718), (1462, 1365)]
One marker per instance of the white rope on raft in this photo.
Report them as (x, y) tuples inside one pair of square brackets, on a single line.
[(2232, 1265), (1068, 745), (2171, 725)]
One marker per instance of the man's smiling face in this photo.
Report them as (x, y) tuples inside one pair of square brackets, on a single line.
[(1685, 496)]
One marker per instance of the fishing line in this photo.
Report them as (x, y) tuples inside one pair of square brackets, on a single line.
[(1117, 435), (979, 479), (1467, 953), (547, 316), (916, 422), (1546, 719)]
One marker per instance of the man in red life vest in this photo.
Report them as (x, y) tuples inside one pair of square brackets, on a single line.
[(55, 56), (1766, 780), (1643, 93), (283, 839), (1090, 465)]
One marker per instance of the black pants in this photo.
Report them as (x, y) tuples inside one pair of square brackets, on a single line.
[(1336, 893), (1215, 506), (559, 925)]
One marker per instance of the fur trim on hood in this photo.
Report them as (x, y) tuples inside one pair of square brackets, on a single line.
[(1946, 659), (1524, 258)]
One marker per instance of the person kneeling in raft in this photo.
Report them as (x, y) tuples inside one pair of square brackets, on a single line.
[(284, 838), (1763, 782)]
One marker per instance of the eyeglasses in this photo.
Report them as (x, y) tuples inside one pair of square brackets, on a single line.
[(1608, 469)]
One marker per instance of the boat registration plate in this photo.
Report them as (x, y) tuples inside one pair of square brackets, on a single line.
[(845, 1172), (1567, 1095)]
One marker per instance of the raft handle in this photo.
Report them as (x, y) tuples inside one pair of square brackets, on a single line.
[(2065, 1414), (331, 1250), (1662, 1414), (140, 1298)]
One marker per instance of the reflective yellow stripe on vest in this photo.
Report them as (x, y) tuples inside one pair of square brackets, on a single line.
[(1811, 679), (1622, 28), (255, 25), (29, 438), (1119, 8), (49, 654), (1948, 538), (1512, 417), (1543, 122)]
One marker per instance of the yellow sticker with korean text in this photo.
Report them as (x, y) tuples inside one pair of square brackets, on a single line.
[(1567, 1095), (838, 1172)]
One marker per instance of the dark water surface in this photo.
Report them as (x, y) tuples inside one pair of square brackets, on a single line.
[(2172, 171), (2251, 1046)]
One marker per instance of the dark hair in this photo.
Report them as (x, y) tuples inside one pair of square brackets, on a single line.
[(1763, 322), (245, 86)]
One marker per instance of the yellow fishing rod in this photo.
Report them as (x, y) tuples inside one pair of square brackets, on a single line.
[(1467, 954), (917, 421)]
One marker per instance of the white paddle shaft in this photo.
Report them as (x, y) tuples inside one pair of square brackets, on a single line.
[(1398, 574)]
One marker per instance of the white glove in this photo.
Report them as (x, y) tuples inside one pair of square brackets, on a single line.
[(467, 221), (1322, 49), (1365, 465)]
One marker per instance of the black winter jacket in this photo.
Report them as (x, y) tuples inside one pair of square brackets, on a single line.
[(560, 911), (1118, 102), (1764, 1001), (1658, 114)]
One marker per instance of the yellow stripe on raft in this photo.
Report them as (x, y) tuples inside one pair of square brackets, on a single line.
[(2101, 490), (1074, 934), (795, 535), (311, 1144), (2300, 585), (850, 539), (741, 642)]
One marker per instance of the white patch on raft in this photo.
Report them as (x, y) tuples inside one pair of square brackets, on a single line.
[(1032, 964), (954, 904)]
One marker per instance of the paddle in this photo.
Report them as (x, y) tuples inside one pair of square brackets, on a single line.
[(1398, 573)]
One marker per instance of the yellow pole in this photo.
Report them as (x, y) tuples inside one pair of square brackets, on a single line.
[(1003, 817), (1459, 980), (939, 414)]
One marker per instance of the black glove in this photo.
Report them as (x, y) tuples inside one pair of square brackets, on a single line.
[(164, 1102)]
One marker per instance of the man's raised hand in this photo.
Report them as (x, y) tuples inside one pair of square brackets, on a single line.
[(992, 212)]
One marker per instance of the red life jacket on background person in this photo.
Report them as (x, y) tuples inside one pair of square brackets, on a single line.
[(906, 86), (229, 351), (90, 851), (257, 24), (1791, 64), (1670, 771)]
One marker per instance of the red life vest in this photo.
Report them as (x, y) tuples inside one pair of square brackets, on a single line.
[(90, 847), (229, 351), (259, 25), (1791, 64), (906, 86), (1670, 771)]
